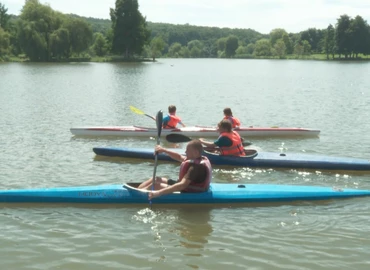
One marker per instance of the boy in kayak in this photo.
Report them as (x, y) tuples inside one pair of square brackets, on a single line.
[(229, 141), (195, 172), (171, 120), (228, 114)]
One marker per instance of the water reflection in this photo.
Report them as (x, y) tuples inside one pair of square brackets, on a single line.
[(191, 225), (194, 227)]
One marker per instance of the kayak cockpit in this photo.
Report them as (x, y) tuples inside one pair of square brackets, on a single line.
[(249, 153)]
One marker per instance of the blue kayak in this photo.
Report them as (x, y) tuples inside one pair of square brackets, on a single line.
[(253, 159), (218, 194)]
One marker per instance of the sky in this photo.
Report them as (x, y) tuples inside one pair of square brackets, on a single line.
[(260, 15)]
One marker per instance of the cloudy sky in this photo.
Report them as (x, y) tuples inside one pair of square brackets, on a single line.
[(260, 15)]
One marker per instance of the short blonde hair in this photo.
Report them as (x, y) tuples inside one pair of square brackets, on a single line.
[(197, 145)]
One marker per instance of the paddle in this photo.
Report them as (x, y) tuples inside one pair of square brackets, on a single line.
[(159, 120), (178, 138), (137, 111)]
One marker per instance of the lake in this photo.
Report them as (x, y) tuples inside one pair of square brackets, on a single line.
[(41, 102)]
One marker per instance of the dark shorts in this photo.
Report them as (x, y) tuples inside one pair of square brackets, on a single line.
[(171, 182)]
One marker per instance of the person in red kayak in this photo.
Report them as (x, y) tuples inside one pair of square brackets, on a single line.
[(229, 141), (195, 172), (228, 115), (171, 120)]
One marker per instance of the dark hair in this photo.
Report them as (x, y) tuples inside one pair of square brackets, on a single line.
[(196, 144), (225, 124), (172, 109), (228, 112)]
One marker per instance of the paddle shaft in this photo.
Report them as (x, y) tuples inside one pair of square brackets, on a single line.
[(159, 120)]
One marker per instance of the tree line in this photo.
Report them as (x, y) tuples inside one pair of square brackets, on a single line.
[(40, 33)]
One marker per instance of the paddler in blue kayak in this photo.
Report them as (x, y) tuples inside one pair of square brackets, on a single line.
[(171, 120), (195, 172), (229, 142), (228, 115)]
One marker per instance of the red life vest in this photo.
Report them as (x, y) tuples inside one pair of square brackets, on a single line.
[(235, 122), (174, 120), (236, 149), (196, 187)]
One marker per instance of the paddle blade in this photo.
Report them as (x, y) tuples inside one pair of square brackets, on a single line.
[(159, 121), (136, 110), (177, 138)]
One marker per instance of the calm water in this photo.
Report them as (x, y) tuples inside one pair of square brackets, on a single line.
[(40, 102)]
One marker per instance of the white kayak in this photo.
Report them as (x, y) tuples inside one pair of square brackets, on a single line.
[(197, 131)]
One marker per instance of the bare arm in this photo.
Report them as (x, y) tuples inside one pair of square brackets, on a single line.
[(207, 143), (172, 154)]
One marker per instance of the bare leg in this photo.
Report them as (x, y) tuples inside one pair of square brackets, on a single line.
[(145, 184), (160, 182)]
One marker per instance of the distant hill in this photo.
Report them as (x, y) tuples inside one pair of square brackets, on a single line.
[(181, 33), (97, 25), (178, 33)]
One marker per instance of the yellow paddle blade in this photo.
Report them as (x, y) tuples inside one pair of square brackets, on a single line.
[(136, 110)]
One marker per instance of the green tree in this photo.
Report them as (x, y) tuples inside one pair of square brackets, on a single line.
[(241, 50), (130, 32), (306, 47), (60, 44), (280, 48), (14, 41), (37, 22), (250, 48), (195, 52), (80, 34), (298, 50), (232, 43), (4, 42), (262, 48), (276, 34), (195, 44), (330, 41), (195, 48), (359, 35), (156, 47), (221, 44), (174, 50), (184, 52), (288, 43), (209, 48), (343, 35), (313, 36), (4, 17), (100, 45)]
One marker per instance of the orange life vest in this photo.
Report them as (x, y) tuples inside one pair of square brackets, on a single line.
[(236, 149), (197, 187), (235, 122), (174, 120)]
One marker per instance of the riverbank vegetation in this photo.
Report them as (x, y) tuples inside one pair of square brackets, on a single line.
[(41, 34)]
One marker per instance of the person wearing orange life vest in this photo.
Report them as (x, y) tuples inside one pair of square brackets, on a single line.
[(229, 141), (228, 114), (171, 120), (195, 172)]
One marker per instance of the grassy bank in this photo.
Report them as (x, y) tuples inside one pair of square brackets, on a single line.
[(104, 59)]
